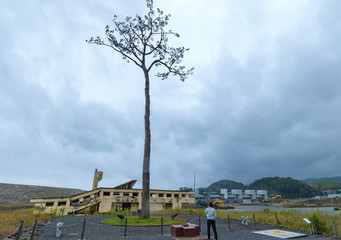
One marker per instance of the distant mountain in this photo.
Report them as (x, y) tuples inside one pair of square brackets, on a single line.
[(324, 185), (287, 187), (325, 179), (227, 184)]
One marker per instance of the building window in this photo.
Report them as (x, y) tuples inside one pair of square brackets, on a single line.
[(160, 194), (176, 195), (191, 195), (87, 198), (106, 193), (135, 194), (183, 195), (153, 195), (62, 203), (126, 194), (49, 204), (169, 195), (116, 194), (75, 202)]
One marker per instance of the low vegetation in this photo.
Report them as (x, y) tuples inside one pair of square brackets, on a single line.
[(322, 185), (137, 221), (288, 219), (10, 220)]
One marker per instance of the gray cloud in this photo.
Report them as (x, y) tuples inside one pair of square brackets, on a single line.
[(264, 99)]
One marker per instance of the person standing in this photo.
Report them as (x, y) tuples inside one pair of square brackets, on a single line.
[(211, 217)]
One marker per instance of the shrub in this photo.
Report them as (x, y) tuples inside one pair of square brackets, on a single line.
[(321, 221)]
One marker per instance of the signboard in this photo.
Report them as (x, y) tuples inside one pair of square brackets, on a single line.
[(306, 220), (281, 234)]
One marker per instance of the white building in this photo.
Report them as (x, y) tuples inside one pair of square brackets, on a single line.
[(239, 194), (262, 194)]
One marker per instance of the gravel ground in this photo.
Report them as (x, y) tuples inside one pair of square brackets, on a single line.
[(95, 230)]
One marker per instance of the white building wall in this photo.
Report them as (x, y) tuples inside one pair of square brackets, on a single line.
[(262, 194), (223, 192), (238, 193), (251, 193)]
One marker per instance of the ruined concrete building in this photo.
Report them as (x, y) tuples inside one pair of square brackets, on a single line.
[(103, 200)]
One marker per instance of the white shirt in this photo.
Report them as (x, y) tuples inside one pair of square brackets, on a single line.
[(210, 212)]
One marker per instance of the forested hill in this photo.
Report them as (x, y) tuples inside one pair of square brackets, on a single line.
[(287, 187), (226, 184), (324, 185), (325, 179)]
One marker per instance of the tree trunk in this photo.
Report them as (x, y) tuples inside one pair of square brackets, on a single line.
[(145, 211)]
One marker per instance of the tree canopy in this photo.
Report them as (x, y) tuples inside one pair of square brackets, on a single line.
[(287, 187), (226, 184), (144, 41), (324, 185)]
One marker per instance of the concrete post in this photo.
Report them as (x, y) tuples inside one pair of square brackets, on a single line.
[(59, 229)]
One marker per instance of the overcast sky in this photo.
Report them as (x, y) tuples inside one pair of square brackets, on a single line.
[(264, 99)]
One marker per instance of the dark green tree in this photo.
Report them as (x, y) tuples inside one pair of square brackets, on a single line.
[(287, 187), (228, 184), (143, 40)]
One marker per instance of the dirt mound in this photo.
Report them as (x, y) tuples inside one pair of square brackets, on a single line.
[(17, 194)]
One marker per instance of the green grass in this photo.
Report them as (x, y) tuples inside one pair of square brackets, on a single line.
[(10, 220), (289, 219), (14, 206), (137, 221)]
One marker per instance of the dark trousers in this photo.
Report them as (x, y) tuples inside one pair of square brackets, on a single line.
[(209, 223)]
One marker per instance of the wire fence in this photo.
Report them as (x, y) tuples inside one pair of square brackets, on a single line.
[(287, 220), (269, 218), (315, 226), (126, 222), (9, 235), (17, 232)]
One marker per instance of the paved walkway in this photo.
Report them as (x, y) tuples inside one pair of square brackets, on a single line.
[(95, 230)]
